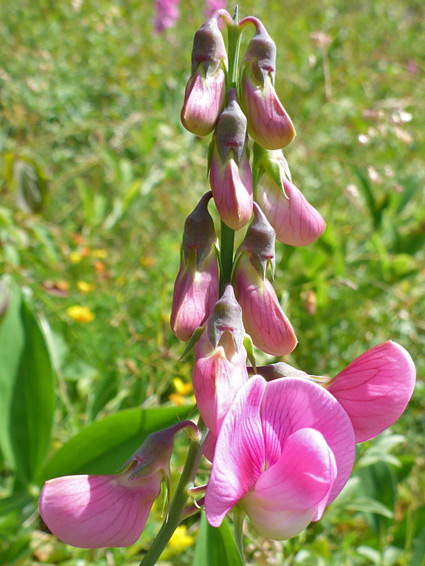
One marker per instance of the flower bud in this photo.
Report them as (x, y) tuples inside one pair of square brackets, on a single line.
[(268, 122), (205, 90), (230, 172), (110, 510), (196, 289), (220, 361), (295, 221), (263, 317)]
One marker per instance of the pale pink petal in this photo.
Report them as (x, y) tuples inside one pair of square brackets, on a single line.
[(268, 122), (98, 511), (239, 453), (295, 221), (278, 525), (203, 102), (232, 189), (194, 296), (375, 388), (291, 404), (216, 381)]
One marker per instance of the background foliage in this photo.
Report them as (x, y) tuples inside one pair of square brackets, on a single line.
[(97, 177)]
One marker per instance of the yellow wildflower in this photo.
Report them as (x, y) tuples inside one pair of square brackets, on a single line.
[(75, 257), (80, 314), (85, 287), (99, 254), (181, 387), (180, 539)]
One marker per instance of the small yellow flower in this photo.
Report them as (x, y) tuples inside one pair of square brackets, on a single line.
[(147, 261), (85, 287), (80, 314), (180, 539), (75, 257), (181, 387), (99, 254)]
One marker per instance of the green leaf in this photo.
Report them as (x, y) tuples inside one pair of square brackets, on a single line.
[(27, 397), (104, 446), (216, 546), (369, 505), (15, 502)]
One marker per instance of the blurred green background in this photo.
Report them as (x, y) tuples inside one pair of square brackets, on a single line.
[(97, 177)]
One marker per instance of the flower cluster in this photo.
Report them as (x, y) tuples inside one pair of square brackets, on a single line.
[(282, 443)]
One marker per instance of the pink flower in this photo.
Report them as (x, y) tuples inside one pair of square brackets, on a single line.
[(212, 5), (295, 221), (375, 388), (268, 122), (167, 14), (196, 289), (220, 361), (230, 172), (284, 451), (110, 510), (205, 90)]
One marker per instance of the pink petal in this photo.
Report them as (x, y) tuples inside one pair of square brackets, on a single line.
[(98, 511), (232, 189), (291, 404), (203, 102), (239, 453), (216, 381), (268, 122), (375, 388), (263, 318), (295, 221), (194, 296)]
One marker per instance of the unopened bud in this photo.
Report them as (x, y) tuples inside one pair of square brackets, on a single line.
[(205, 90), (259, 243), (268, 122), (230, 172)]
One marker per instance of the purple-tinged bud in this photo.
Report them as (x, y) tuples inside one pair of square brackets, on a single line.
[(268, 122), (263, 318), (96, 511), (206, 88), (295, 221), (278, 370), (220, 361), (259, 243), (230, 172), (196, 289)]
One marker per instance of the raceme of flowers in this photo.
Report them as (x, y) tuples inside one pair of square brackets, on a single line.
[(281, 442)]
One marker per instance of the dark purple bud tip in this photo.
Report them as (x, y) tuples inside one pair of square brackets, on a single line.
[(259, 242), (226, 318), (230, 133), (199, 233)]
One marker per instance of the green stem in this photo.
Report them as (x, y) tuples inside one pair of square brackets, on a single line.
[(234, 42), (180, 498), (227, 240), (238, 519)]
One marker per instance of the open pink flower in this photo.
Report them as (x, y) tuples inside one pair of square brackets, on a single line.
[(284, 451), (110, 510), (375, 388), (295, 221), (167, 14)]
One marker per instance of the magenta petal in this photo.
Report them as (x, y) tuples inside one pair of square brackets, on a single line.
[(295, 221), (98, 511), (291, 404), (239, 453), (375, 388)]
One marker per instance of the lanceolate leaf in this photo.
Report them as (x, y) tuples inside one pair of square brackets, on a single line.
[(216, 546), (104, 446), (26, 390)]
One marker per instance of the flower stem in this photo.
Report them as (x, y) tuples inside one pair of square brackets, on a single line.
[(180, 498), (234, 41), (238, 519)]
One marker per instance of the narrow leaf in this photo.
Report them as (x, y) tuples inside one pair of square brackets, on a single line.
[(216, 546)]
